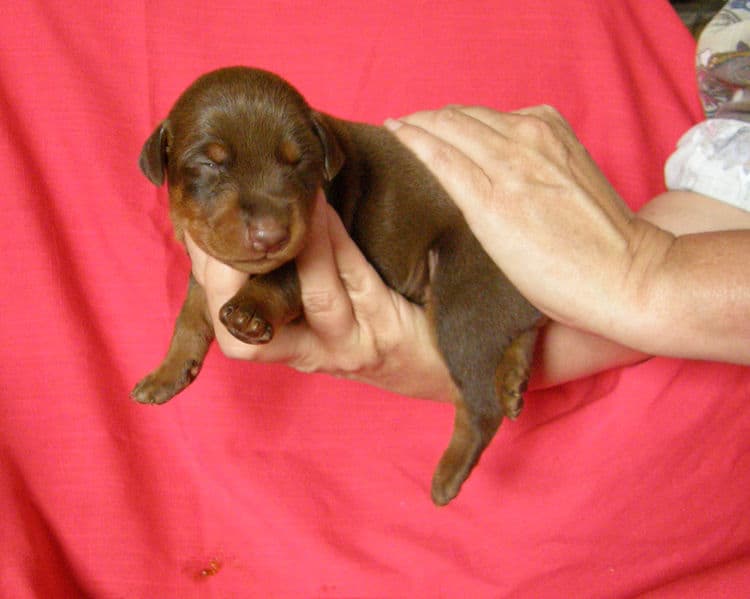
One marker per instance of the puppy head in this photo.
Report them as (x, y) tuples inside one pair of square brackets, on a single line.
[(244, 156)]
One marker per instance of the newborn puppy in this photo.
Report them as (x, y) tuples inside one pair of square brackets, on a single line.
[(244, 156)]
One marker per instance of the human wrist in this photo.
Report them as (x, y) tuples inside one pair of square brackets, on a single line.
[(688, 296), (637, 307)]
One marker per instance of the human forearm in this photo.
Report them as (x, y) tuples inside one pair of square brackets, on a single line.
[(546, 214), (696, 300), (564, 354), (703, 281)]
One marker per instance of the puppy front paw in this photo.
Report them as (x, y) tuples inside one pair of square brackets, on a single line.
[(165, 382), (246, 323)]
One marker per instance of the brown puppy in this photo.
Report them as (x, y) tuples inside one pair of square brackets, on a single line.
[(244, 156)]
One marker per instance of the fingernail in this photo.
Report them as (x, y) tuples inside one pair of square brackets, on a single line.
[(392, 124)]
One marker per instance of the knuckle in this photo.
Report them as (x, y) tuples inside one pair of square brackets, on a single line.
[(320, 301), (549, 111), (356, 363), (358, 286), (360, 366), (556, 121), (447, 115), (534, 128), (546, 135), (442, 156), (364, 356)]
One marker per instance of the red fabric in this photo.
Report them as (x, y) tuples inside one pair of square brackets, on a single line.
[(286, 485)]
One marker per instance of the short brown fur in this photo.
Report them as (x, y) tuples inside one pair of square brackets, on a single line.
[(244, 156)]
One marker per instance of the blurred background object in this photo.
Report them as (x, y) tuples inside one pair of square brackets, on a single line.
[(697, 13)]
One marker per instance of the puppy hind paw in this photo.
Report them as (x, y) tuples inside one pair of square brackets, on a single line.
[(512, 373), (151, 392), (455, 466), (445, 487), (164, 383), (246, 324), (511, 400)]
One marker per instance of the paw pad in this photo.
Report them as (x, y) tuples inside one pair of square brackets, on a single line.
[(246, 324)]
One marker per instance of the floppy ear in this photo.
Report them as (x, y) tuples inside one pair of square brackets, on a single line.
[(334, 156), (153, 158)]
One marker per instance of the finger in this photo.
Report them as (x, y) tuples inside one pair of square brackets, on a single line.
[(325, 302), (547, 113), (198, 259), (483, 133), (507, 123), (458, 127), (538, 129), (219, 280), (220, 283), (456, 124), (368, 293)]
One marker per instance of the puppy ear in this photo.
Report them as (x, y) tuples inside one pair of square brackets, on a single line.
[(153, 158), (334, 156)]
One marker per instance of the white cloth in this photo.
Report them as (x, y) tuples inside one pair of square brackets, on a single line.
[(713, 158)]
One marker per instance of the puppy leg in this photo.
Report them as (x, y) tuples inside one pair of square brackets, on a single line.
[(512, 374), (479, 413), (472, 432), (263, 304), (480, 321), (192, 336)]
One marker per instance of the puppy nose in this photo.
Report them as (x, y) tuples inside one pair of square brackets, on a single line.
[(268, 235)]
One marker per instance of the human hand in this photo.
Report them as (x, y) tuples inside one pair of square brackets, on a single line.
[(543, 211), (354, 325)]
